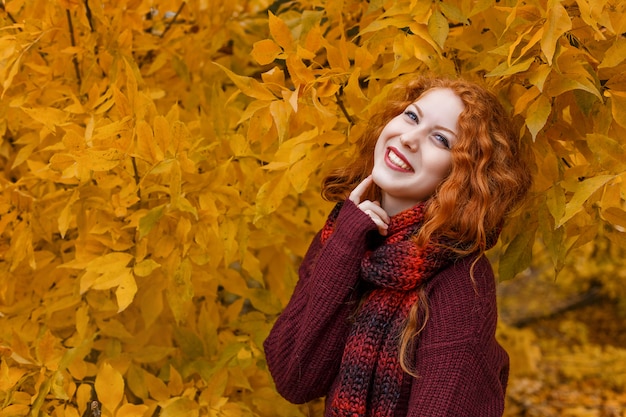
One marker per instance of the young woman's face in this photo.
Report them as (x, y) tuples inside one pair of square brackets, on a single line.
[(413, 152)]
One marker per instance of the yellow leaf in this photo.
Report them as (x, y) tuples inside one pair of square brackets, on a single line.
[(180, 290), (280, 32), (151, 304), (271, 195), (46, 351), (264, 301), (584, 190), (537, 114), (618, 106), (65, 217), (121, 102), (556, 25), (24, 153), (608, 152), (300, 73), (107, 279), (555, 201), (280, 111), (9, 375), (100, 159), (136, 381), (353, 93), (133, 78), (438, 28), (301, 171), (145, 267), (381, 24), (103, 272), (521, 103), (274, 76), (126, 290), (82, 320), (147, 147), (615, 215), (15, 410), (265, 51), (109, 387), (615, 54), (337, 55), (156, 387), (504, 69), (163, 134), (539, 76), (48, 116), (531, 43), (21, 247), (175, 383), (83, 397), (248, 86), (132, 410), (57, 386)]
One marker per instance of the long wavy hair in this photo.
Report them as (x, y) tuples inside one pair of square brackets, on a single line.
[(489, 177)]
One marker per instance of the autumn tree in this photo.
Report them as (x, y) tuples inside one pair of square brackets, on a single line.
[(161, 163)]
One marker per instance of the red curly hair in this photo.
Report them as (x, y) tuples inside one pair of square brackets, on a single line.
[(489, 178)]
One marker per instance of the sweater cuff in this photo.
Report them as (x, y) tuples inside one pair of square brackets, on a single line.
[(353, 223)]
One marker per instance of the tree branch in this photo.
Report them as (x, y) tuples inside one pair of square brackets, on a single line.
[(74, 58)]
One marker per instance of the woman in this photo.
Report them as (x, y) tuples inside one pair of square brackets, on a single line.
[(395, 310)]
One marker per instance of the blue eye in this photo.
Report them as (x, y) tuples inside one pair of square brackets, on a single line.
[(444, 141), (411, 115)]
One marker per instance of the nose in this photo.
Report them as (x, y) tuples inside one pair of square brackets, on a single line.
[(411, 139)]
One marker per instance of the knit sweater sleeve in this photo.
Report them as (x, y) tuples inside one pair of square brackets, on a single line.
[(305, 346), (462, 370)]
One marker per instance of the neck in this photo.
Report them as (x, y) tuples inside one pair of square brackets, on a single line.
[(394, 206)]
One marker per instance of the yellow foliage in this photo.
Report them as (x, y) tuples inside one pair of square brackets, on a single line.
[(161, 165)]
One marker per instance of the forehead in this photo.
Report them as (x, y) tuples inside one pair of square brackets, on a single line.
[(442, 105)]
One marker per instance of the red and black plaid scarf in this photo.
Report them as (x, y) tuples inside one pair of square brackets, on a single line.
[(370, 376)]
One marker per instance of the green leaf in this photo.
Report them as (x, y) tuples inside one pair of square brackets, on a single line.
[(147, 222), (518, 255)]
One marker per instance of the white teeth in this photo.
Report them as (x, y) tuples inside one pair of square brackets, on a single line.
[(397, 161)]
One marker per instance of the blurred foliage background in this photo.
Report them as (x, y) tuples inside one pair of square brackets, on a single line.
[(160, 167)]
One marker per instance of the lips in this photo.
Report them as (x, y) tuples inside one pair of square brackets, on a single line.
[(397, 161)]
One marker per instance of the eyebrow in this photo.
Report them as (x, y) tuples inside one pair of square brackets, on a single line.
[(420, 113)]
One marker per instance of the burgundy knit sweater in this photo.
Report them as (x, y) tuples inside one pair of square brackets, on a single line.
[(462, 370)]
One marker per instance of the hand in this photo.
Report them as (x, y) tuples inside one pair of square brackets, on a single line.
[(371, 208)]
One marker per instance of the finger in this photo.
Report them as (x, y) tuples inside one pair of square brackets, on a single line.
[(381, 225), (357, 194), (375, 208)]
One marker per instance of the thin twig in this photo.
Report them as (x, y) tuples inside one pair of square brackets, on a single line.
[(343, 107), (169, 25), (89, 15), (8, 14), (137, 178), (74, 58)]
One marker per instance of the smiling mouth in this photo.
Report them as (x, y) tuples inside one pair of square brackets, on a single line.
[(397, 161)]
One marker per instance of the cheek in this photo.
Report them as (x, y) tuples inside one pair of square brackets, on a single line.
[(379, 149), (443, 165)]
